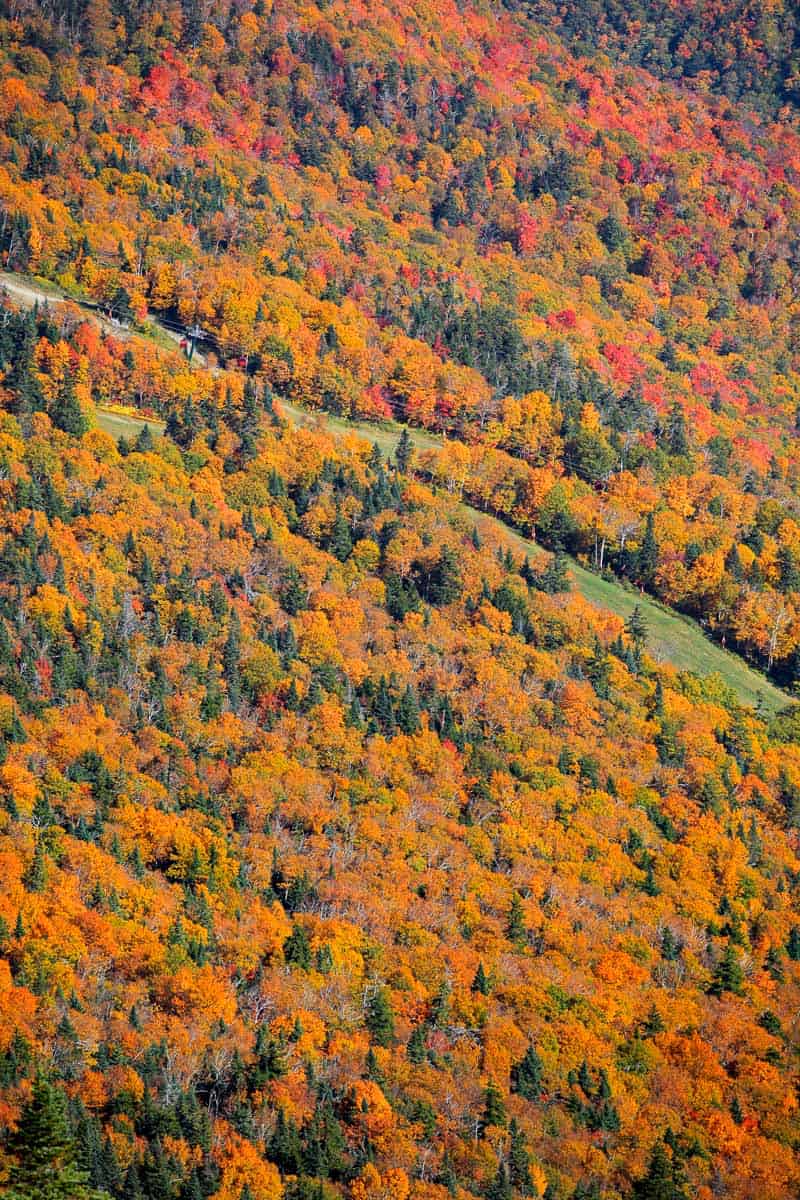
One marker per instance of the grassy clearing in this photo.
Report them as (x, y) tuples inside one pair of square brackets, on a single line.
[(122, 425), (672, 638), (30, 287), (385, 435)]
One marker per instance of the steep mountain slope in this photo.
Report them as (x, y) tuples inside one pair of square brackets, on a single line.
[(346, 853), (672, 638), (588, 275), (345, 856), (748, 51)]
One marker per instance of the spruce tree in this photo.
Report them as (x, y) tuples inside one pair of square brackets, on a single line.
[(480, 983), (665, 1178), (284, 1147), (670, 946), (270, 1058), (403, 453), (566, 759), (43, 1151), (380, 1018), (653, 1023), (144, 440), (383, 707), (324, 1144), (675, 439), (444, 581), (323, 959), (555, 577), (66, 412), (408, 712), (36, 874), (647, 555), (793, 943), (789, 570), (519, 1160), (297, 948), (230, 662), (494, 1109), (341, 542), (211, 704), (636, 627), (416, 1050), (501, 1187), (22, 379), (526, 1075), (294, 595), (728, 975)]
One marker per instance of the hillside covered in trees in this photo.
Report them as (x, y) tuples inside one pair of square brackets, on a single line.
[(586, 274), (344, 853)]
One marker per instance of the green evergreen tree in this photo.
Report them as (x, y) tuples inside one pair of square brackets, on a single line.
[(728, 975), (297, 948), (270, 1058), (772, 964), (230, 662), (788, 569), (372, 1069), (519, 1159), (407, 712), (566, 759), (665, 1178), (36, 874), (674, 439), (404, 452), (636, 627), (341, 542), (494, 1109), (43, 1152), (793, 943), (526, 1075), (380, 1018), (323, 960), (555, 577), (444, 581), (383, 707), (501, 1187), (294, 594), (324, 1145), (647, 555), (21, 379), (440, 1005), (653, 1023), (480, 983), (416, 1050), (132, 1185), (284, 1148), (670, 946), (211, 704), (66, 412), (586, 1191)]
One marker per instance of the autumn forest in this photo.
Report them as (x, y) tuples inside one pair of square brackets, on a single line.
[(385, 391)]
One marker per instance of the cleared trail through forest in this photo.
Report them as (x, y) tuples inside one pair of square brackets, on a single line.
[(672, 637)]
